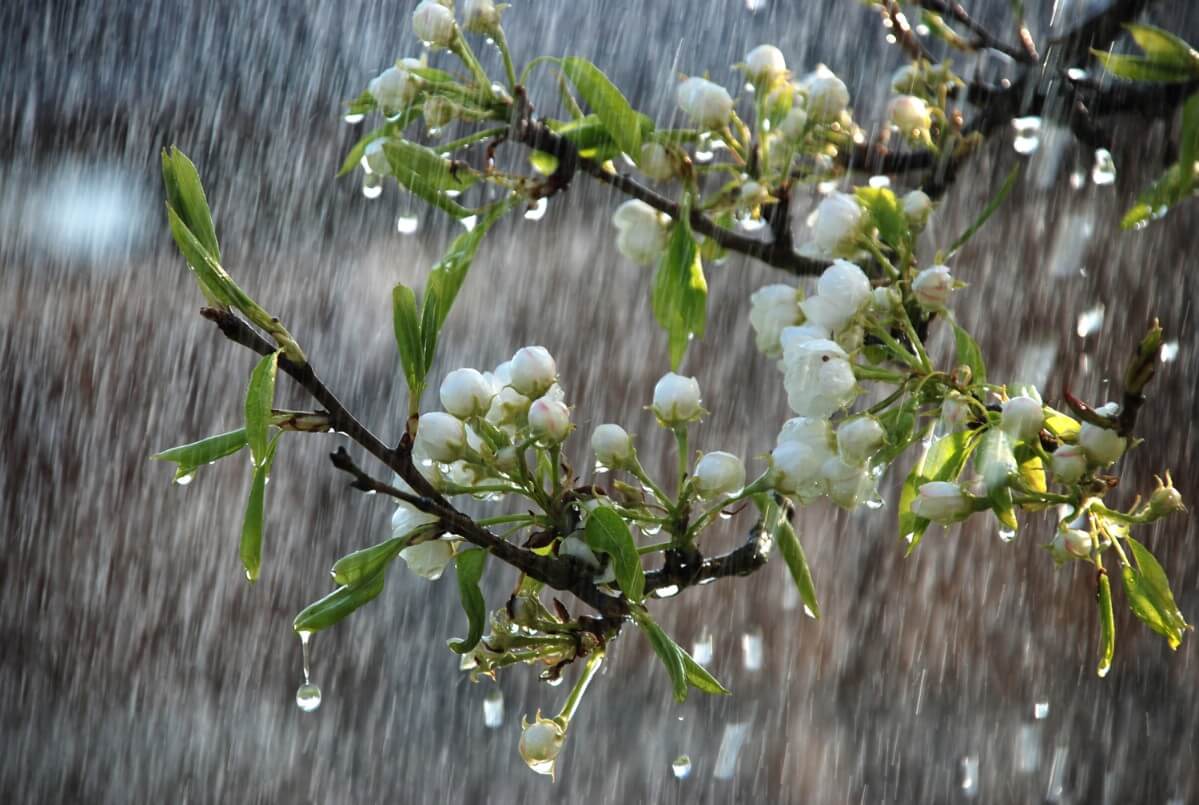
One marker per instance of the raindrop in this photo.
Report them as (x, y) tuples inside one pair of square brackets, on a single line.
[(880, 181), (681, 767), (752, 224), (701, 649), (1028, 748), (452, 193), (755, 5), (922, 30), (354, 118), (372, 186), (407, 224), (807, 610), (650, 529), (1078, 180), (751, 650), (703, 156), (1028, 134), (308, 697), (1007, 534), (493, 708), (1040, 710), (1076, 74), (600, 468), (554, 682), (668, 591), (730, 746), (469, 222), (725, 514), (1169, 351), (969, 775), (1104, 170), (184, 480), (1103, 670), (891, 40), (1057, 775), (1090, 320), (537, 211)]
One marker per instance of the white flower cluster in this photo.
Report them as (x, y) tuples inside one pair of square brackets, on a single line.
[(812, 459)]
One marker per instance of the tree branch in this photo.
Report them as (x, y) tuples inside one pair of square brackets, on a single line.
[(688, 570), (983, 37)]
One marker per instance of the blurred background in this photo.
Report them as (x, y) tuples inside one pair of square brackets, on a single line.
[(137, 665)]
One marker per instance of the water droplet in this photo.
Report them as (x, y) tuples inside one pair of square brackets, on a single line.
[(1169, 351), (891, 40), (493, 708), (1040, 710), (1006, 534), (681, 767), (1028, 134), (754, 5), (1104, 670), (537, 212), (407, 224), (1057, 774), (703, 155), (555, 681), (751, 224), (1077, 74), (469, 222), (1028, 748), (880, 181), (922, 30), (650, 529), (725, 514), (751, 650), (354, 118), (308, 697), (666, 592), (184, 480), (969, 775), (1104, 170), (701, 649), (730, 747), (1078, 180), (1090, 320), (372, 186), (808, 611)]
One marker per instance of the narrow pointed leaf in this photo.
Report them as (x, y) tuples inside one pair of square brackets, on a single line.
[(1164, 47), (470, 566), (699, 678), (356, 567), (1107, 625), (190, 457), (680, 292), (260, 399), (667, 651), (797, 563), (250, 548), (1155, 588), (186, 195), (987, 212), (406, 322), (607, 102), (1143, 68), (606, 531), (338, 604)]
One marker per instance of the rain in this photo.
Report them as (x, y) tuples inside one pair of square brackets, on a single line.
[(138, 665)]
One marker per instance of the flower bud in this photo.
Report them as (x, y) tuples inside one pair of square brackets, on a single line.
[(1068, 463), (549, 420), (533, 371), (910, 115), (428, 559), (395, 87), (858, 439), (942, 502), (813, 432), (612, 445), (1077, 542), (827, 95), (438, 112), (708, 105), (718, 474), (847, 484), (838, 223), (1022, 418), (508, 407), (772, 309), (818, 378), (793, 124), (840, 293), (480, 16), (442, 437), (433, 23), (656, 162), (643, 232), (994, 460), (955, 411), (466, 393), (376, 160), (676, 399), (917, 206), (764, 64), (792, 337), (1165, 499), (1102, 446), (932, 287), (541, 742), (795, 467)]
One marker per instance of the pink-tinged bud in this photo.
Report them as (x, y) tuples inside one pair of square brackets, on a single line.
[(549, 420)]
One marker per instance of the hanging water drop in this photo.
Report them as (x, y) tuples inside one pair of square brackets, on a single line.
[(407, 224), (1040, 710), (537, 211), (969, 775), (1006, 534), (1028, 134), (681, 767), (469, 222), (372, 186), (666, 592), (184, 480), (308, 697), (354, 118), (493, 708), (1169, 351), (1104, 171)]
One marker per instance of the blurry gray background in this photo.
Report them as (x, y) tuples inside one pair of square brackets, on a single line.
[(136, 664)]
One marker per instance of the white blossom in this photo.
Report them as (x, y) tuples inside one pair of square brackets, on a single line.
[(818, 378), (827, 95), (429, 559), (859, 438), (932, 287), (441, 436), (612, 445), (910, 114), (549, 420), (480, 16), (846, 484), (1022, 418), (917, 206), (676, 399), (532, 371), (643, 232), (395, 87), (773, 308), (1102, 445), (466, 393), (764, 64), (942, 502), (840, 293), (1068, 463), (708, 105), (433, 23), (656, 162), (718, 474), (838, 223)]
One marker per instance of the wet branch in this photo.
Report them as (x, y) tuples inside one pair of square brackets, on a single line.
[(684, 569)]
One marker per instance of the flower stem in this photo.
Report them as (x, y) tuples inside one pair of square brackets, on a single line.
[(576, 694), (501, 42)]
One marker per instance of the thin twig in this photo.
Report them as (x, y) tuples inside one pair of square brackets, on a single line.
[(983, 37)]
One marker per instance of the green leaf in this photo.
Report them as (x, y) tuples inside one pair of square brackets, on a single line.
[(470, 564), (406, 322), (212, 279), (251, 528), (886, 213), (797, 563), (361, 105), (338, 604), (606, 531), (899, 422), (987, 212), (354, 568), (185, 194), (446, 278), (428, 175), (667, 651), (969, 353), (190, 457), (1144, 68), (354, 155), (607, 101), (1154, 596), (680, 293), (1164, 47), (940, 29), (944, 461), (260, 399), (699, 678), (1107, 624)]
